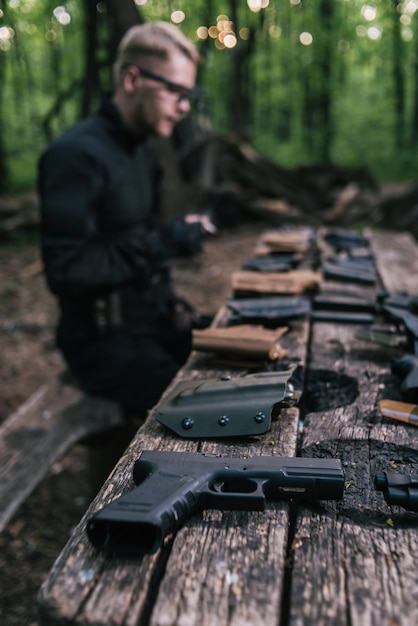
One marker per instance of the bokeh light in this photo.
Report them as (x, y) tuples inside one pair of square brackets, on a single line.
[(177, 17), (374, 33), (369, 12), (305, 39)]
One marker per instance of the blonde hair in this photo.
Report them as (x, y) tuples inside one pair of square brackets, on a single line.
[(153, 38)]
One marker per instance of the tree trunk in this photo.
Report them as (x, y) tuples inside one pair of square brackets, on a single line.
[(239, 95), (3, 160), (414, 124), (324, 95), (4, 170), (398, 78), (237, 114), (316, 84), (122, 15), (91, 83)]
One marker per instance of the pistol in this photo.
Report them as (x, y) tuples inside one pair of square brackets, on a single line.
[(399, 489), (173, 485)]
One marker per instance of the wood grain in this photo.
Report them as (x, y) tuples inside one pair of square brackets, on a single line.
[(86, 587), (348, 562), (55, 417), (354, 562)]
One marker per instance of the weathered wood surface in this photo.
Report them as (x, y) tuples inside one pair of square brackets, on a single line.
[(333, 563), (209, 566), (396, 260), (350, 565), (52, 420), (212, 573)]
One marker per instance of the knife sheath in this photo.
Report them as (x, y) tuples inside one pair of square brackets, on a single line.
[(292, 282), (244, 340)]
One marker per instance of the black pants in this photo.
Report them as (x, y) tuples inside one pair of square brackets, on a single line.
[(130, 369)]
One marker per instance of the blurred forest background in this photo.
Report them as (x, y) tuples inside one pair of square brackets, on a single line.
[(303, 81)]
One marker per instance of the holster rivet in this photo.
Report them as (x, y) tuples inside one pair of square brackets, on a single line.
[(259, 417), (187, 423), (223, 420)]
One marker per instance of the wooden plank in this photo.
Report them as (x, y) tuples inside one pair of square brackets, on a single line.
[(350, 564), (237, 559), (221, 549), (339, 548), (86, 587), (232, 568), (396, 260), (54, 418)]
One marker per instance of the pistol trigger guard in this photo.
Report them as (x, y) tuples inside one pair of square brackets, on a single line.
[(243, 495)]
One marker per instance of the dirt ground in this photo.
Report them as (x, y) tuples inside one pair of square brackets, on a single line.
[(28, 358)]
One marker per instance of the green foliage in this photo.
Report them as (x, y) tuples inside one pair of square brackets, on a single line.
[(317, 77), (23, 171)]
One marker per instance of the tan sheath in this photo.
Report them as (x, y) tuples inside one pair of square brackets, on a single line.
[(243, 340), (292, 282), (283, 241)]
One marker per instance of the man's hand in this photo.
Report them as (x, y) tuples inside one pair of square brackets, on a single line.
[(206, 224)]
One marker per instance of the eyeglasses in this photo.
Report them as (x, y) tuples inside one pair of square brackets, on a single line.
[(182, 93)]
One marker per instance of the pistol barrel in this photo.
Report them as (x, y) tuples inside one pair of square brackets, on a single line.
[(398, 489)]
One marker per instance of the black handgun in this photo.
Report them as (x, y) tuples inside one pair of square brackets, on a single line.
[(399, 489), (352, 270), (272, 263), (173, 485), (404, 308), (268, 311)]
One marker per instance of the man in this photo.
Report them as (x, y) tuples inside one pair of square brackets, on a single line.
[(122, 330)]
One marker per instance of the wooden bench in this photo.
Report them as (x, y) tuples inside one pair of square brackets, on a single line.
[(348, 562), (57, 416)]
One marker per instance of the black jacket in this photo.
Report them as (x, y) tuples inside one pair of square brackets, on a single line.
[(98, 188)]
